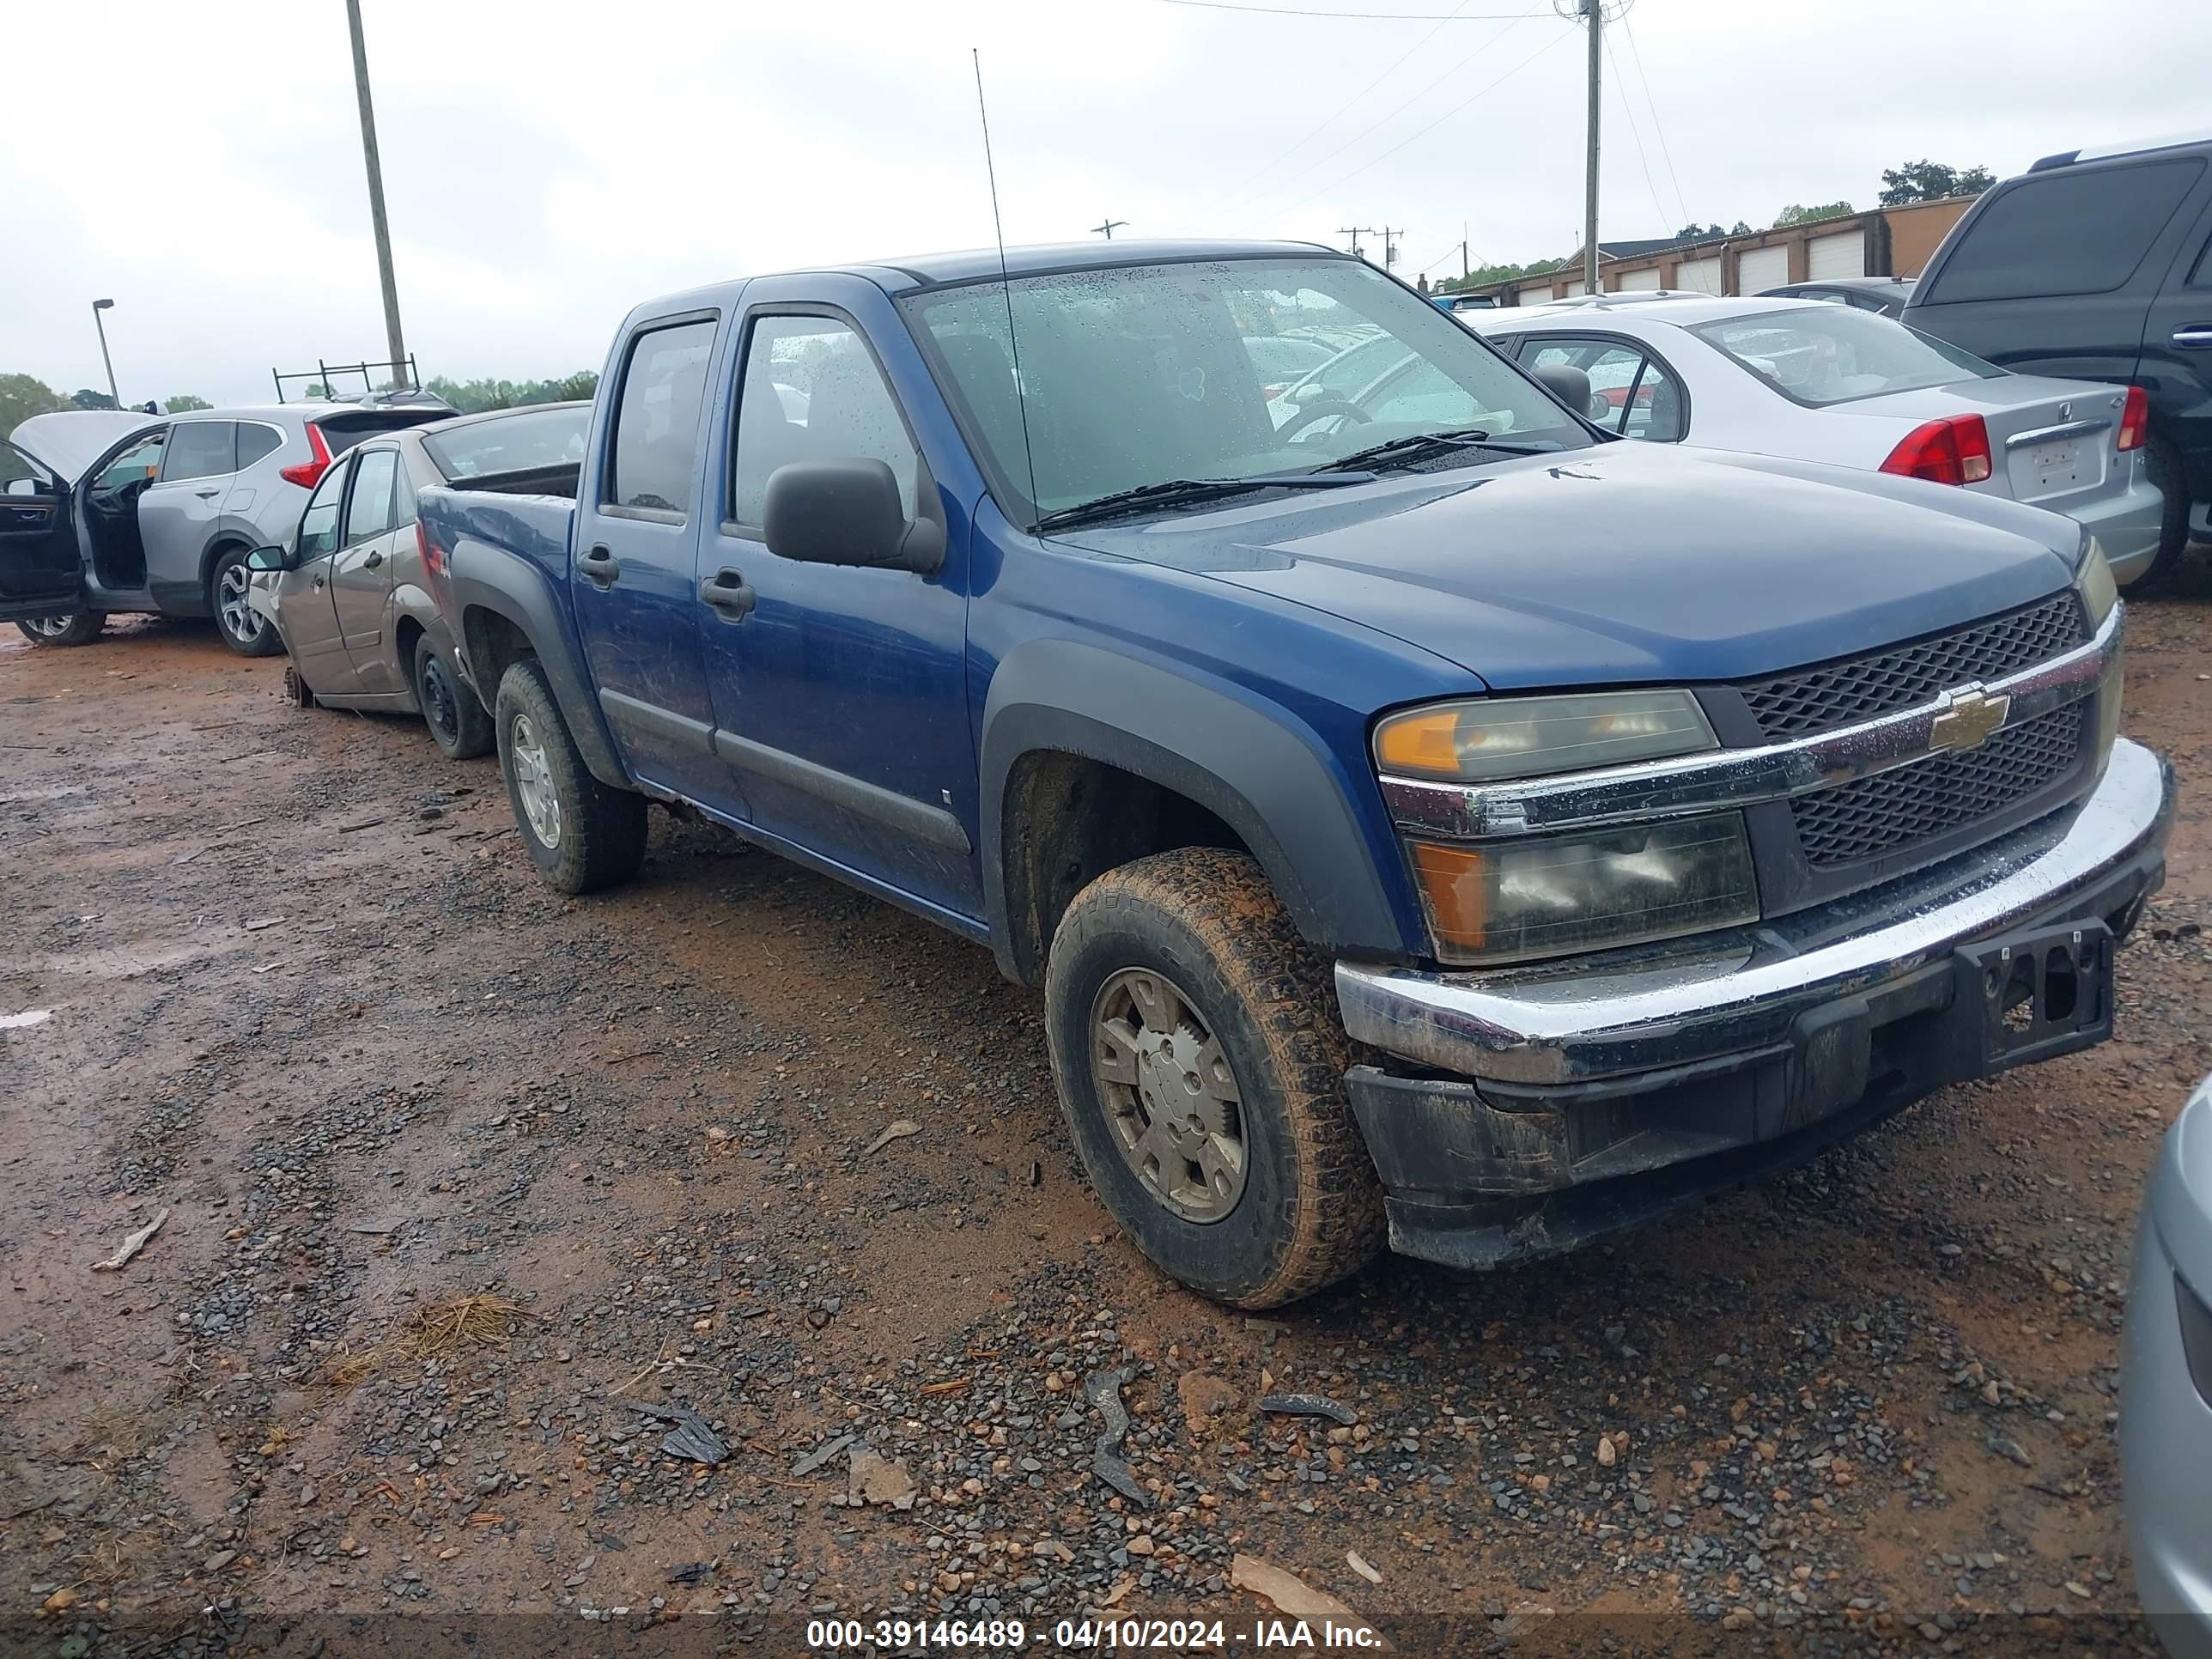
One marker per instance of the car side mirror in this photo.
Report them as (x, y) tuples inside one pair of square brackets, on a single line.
[(1568, 384), (266, 558), (1307, 393), (847, 512)]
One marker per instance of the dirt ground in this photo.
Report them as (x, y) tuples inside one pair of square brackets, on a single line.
[(309, 1002)]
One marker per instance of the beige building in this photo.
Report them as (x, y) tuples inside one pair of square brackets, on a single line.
[(1884, 242)]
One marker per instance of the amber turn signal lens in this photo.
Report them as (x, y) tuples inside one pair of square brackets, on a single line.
[(1455, 886)]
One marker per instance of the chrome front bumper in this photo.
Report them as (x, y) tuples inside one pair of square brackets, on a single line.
[(1704, 999)]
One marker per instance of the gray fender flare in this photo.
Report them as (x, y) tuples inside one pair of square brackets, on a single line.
[(1260, 773)]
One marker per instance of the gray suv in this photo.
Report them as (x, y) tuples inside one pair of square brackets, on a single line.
[(112, 511)]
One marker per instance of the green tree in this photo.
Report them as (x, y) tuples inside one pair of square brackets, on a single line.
[(21, 397), (1793, 215), (86, 398), (1694, 232), (179, 406), (1931, 181), (473, 397)]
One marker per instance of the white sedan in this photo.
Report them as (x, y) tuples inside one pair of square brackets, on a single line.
[(1816, 382)]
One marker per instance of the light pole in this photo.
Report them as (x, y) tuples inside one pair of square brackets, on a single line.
[(392, 341), (99, 306)]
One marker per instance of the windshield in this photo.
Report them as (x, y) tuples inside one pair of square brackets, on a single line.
[(1142, 374), (1835, 353), (513, 443)]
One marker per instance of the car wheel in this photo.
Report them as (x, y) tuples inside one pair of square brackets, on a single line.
[(2165, 469), (78, 627), (297, 692), (1200, 1065), (582, 836), (458, 723), (244, 629)]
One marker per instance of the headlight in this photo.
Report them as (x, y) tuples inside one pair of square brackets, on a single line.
[(1487, 738), (2098, 591), (1547, 896)]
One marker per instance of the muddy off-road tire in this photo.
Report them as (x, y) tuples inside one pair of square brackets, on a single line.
[(2164, 464), (581, 835), (78, 627), (458, 723), (1195, 1042)]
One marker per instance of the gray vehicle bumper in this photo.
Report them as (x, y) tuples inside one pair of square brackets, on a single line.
[(2166, 1415), (1522, 1112), (2127, 525)]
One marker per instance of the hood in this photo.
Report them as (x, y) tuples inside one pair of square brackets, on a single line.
[(68, 443), (1628, 562)]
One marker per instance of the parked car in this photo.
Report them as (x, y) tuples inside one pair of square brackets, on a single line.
[(2097, 265), (346, 591), (1456, 828), (1465, 302), (1280, 360), (1818, 382), (1887, 294), (126, 511), (2165, 1389)]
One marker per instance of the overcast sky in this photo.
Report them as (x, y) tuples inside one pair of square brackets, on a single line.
[(547, 166)]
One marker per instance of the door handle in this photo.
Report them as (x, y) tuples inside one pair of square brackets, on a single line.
[(2194, 337), (207, 495), (373, 560), (727, 592), (601, 566), (319, 584)]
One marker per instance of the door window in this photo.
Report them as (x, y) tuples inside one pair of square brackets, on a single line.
[(368, 512), (2073, 231), (319, 525), (849, 411), (200, 449), (1631, 392), (135, 465), (652, 464)]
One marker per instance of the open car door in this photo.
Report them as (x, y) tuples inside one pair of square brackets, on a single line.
[(41, 567)]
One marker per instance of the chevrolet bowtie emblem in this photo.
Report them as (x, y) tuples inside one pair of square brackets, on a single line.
[(1968, 717)]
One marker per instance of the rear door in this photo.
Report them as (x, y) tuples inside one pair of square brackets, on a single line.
[(177, 512), (635, 594), (361, 570), (40, 572)]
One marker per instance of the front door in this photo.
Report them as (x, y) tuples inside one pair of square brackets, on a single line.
[(176, 515), (840, 693), (306, 617), (39, 570), (361, 570), (637, 543)]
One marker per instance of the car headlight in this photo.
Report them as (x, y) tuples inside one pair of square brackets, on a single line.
[(1486, 738), (1550, 895), (2099, 592)]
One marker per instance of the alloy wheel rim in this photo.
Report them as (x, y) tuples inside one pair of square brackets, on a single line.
[(533, 781), (1172, 1100), (52, 628), (239, 619)]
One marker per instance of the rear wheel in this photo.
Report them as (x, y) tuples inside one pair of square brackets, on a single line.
[(78, 627), (458, 723), (581, 835), (2165, 468), (297, 692), (244, 629)]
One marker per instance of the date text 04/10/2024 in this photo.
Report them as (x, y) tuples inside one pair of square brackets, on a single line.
[(1171, 1635)]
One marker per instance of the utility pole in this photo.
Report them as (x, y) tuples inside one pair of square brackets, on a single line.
[(99, 306), (1355, 231), (1464, 273), (1594, 11), (1390, 244), (1108, 229), (392, 341)]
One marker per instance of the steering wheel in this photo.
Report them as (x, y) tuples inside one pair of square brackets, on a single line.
[(1320, 409)]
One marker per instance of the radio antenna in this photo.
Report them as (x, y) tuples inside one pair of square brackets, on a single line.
[(1005, 285)]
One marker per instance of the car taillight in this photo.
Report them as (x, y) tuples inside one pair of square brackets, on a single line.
[(308, 474), (1953, 451), (433, 556), (2135, 419)]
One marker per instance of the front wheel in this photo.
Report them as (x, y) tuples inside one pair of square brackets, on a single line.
[(582, 836), (458, 723), (78, 627), (244, 629), (1200, 1065)]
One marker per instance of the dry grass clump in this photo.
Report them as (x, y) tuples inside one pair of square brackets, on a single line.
[(482, 1320)]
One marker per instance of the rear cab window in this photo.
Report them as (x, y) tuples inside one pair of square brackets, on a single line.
[(2072, 231), (653, 461)]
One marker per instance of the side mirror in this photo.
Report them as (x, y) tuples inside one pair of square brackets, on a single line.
[(266, 558), (847, 512), (1568, 384), (1307, 393)]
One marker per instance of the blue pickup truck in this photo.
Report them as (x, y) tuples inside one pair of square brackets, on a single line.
[(1424, 818)]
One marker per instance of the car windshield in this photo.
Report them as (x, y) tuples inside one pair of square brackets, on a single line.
[(511, 443), (1836, 354), (1142, 374)]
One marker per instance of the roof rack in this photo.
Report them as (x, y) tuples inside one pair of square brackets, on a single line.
[(396, 383), (2136, 147)]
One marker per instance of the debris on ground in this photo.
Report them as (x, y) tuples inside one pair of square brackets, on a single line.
[(464, 1322), (130, 1246), (872, 1478), (691, 1572), (1360, 1565), (898, 1131), (821, 1454), (1203, 1397), (260, 924), (1309, 1405), (1289, 1593), (1103, 1391), (28, 1017), (692, 1437)]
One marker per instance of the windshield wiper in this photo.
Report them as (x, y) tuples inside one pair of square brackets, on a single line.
[(1415, 445), (1173, 492)]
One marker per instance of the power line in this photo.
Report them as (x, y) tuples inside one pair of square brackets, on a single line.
[(1642, 160), (1367, 16), (1658, 130)]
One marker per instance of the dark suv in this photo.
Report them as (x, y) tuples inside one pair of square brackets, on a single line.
[(2097, 265)]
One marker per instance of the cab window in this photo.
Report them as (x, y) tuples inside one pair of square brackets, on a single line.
[(650, 467), (319, 525), (849, 411), (369, 511)]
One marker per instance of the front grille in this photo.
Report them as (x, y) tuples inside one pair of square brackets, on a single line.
[(1933, 797), (1838, 694)]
